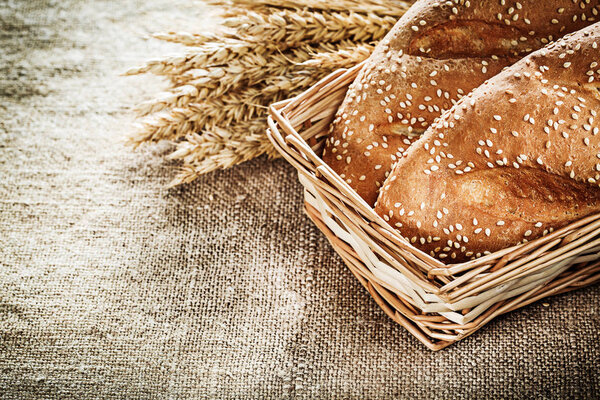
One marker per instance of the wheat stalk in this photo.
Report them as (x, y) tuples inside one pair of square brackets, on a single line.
[(305, 26), (268, 50), (211, 53), (341, 58), (190, 39)]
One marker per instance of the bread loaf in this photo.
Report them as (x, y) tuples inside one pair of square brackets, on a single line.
[(436, 53), (510, 162)]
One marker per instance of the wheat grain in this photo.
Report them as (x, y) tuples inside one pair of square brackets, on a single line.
[(190, 39), (342, 58), (176, 97)]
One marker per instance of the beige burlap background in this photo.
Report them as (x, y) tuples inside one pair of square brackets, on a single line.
[(112, 287)]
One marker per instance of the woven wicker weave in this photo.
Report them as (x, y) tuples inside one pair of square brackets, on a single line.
[(439, 304)]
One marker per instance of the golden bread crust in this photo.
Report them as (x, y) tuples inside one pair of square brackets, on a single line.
[(513, 160)]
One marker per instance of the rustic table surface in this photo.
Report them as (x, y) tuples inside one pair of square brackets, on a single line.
[(112, 286)]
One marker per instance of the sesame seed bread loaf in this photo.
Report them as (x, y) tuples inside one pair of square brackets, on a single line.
[(516, 158), (436, 53)]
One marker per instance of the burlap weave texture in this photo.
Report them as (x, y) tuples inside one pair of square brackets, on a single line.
[(112, 286)]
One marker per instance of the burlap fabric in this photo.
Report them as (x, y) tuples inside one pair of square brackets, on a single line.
[(112, 286)]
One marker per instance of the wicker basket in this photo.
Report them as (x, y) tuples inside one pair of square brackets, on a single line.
[(439, 304)]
